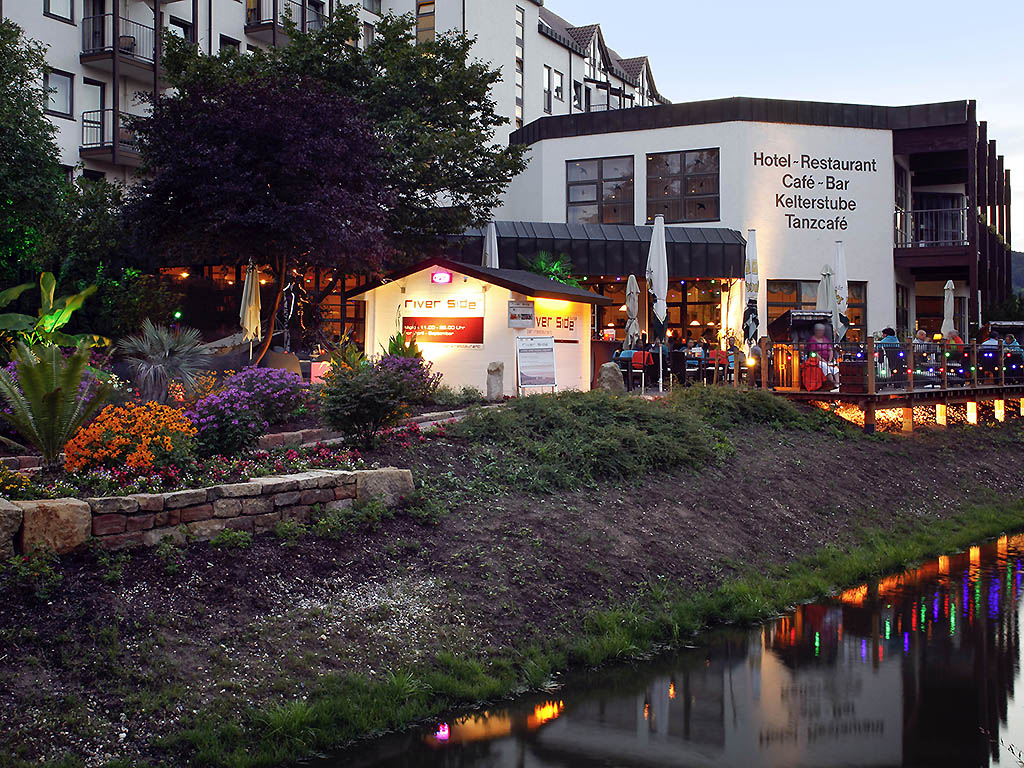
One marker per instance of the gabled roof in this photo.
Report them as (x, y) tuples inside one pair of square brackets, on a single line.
[(584, 35), (517, 280), (634, 67)]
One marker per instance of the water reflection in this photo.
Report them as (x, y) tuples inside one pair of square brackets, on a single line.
[(916, 669)]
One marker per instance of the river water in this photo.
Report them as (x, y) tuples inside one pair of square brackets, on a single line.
[(916, 669)]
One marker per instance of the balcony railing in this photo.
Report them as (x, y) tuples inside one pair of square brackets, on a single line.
[(262, 12), (132, 39), (99, 129), (930, 228)]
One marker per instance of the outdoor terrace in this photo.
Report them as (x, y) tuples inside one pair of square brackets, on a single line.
[(133, 43), (106, 136), (264, 19)]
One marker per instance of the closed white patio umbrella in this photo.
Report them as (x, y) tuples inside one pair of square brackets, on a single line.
[(947, 308), (249, 314), (752, 284), (826, 299), (490, 255), (657, 284), (840, 320), (632, 312)]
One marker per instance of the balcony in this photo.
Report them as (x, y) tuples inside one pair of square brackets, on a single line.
[(265, 17), (101, 128), (134, 44), (940, 228)]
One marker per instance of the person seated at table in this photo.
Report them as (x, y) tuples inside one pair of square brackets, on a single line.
[(991, 341), (1010, 344), (693, 349), (955, 341), (821, 348)]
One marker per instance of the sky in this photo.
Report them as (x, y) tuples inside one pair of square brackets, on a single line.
[(888, 52)]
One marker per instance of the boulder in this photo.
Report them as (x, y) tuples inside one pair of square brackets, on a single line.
[(495, 381), (388, 485), (609, 378), (61, 525), (10, 522)]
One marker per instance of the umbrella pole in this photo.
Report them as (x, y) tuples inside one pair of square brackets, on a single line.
[(661, 367)]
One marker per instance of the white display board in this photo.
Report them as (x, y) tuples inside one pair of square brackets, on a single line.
[(535, 362), (521, 314)]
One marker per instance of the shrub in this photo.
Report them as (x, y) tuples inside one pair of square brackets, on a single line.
[(289, 532), (142, 437), (418, 383), (232, 539), (277, 393), (335, 523), (13, 485), (112, 563), (227, 422), (171, 554), (160, 355), (47, 402), (446, 397), (729, 407), (363, 401), (33, 570)]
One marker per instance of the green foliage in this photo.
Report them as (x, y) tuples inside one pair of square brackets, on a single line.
[(231, 539), (52, 315), (401, 345), (127, 298), (424, 506), (14, 485), (48, 404), (347, 355), (362, 402), (446, 397), (171, 554), (160, 355), (730, 408), (574, 439), (1011, 309), (33, 570), (554, 266), (112, 563), (338, 523), (290, 531)]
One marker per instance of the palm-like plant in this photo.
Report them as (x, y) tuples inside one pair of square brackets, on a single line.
[(47, 403), (160, 355)]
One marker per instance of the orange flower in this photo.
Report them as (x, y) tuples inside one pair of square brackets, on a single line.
[(127, 435)]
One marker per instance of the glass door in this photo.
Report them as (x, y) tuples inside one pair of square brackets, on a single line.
[(92, 113)]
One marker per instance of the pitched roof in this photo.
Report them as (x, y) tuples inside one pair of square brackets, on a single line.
[(633, 67), (584, 35)]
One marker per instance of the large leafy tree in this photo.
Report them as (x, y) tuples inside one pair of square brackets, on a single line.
[(30, 178), (429, 104), (280, 169)]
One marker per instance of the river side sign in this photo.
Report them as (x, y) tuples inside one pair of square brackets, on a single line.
[(444, 318), (535, 361)]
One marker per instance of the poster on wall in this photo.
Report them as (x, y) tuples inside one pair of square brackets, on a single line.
[(535, 361), (521, 314), (444, 319)]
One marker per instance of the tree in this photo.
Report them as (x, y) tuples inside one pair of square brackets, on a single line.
[(30, 178), (281, 169), (429, 104)]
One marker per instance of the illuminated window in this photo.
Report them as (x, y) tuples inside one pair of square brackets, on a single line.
[(683, 186), (599, 191), (424, 22), (803, 294)]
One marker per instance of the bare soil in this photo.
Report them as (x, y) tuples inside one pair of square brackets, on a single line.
[(102, 670)]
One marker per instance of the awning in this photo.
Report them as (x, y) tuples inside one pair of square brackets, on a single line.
[(609, 249)]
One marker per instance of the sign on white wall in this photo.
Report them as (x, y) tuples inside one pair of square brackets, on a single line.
[(535, 361), (441, 318), (521, 314)]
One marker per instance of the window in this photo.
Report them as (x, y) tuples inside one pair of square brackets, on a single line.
[(228, 43), (683, 186), (599, 191), (373, 6), (902, 309), (314, 15), (547, 89), (59, 86), (92, 113), (69, 173), (60, 9), (180, 28), (94, 175), (559, 87), (520, 53), (803, 294), (577, 95), (424, 22), (369, 33)]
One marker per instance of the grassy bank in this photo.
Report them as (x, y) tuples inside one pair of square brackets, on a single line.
[(556, 532)]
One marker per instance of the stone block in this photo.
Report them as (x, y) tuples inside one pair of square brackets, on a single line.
[(274, 440), (266, 522), (609, 378), (10, 522), (307, 480), (277, 484), (200, 512), (311, 435), (121, 540), (347, 491), (389, 485), (299, 514), (495, 381), (166, 518), (204, 530), (149, 502), (339, 504), (154, 537), (180, 499), (239, 524), (29, 462), (62, 525), (235, 491), (11, 462), (257, 506), (106, 525), (317, 496), (227, 507), (108, 505), (141, 522), (287, 498)]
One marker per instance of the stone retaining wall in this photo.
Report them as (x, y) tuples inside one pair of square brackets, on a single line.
[(143, 519)]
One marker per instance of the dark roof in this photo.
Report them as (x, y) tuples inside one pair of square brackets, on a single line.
[(747, 110), (634, 67), (518, 280), (584, 35), (610, 249)]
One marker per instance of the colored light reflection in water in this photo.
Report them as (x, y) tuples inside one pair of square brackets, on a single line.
[(917, 668)]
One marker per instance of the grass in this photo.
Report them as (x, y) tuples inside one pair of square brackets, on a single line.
[(341, 708)]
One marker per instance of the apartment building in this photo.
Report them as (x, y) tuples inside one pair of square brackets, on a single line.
[(104, 53)]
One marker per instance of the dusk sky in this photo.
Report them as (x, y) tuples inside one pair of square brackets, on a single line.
[(867, 52)]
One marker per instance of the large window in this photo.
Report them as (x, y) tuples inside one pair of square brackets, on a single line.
[(902, 309), (180, 28), (599, 191), (559, 87), (372, 5), (59, 86), (547, 89), (520, 67), (683, 186), (803, 294), (60, 9), (424, 22)]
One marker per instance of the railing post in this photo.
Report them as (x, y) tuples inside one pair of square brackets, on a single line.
[(1002, 365), (910, 366), (870, 371), (764, 364), (736, 356), (945, 364), (974, 364)]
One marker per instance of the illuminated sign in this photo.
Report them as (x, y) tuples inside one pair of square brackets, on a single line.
[(441, 277), (521, 314), (444, 318)]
